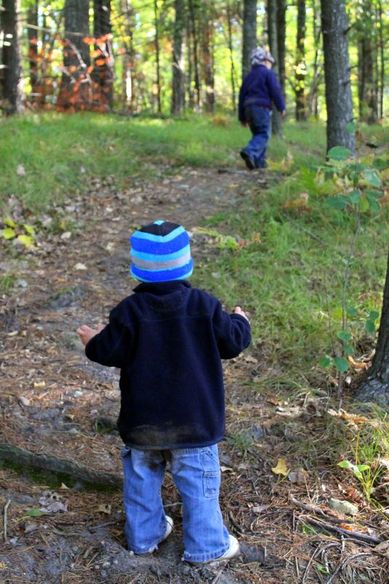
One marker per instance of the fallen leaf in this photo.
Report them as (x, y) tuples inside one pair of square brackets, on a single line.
[(20, 170), (107, 509), (80, 267), (281, 468), (298, 476)]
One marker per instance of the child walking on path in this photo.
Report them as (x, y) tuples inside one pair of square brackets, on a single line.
[(168, 340), (259, 90)]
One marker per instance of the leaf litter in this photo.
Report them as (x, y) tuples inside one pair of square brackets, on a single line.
[(57, 404)]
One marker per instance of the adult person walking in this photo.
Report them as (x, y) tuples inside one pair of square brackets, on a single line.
[(259, 90)]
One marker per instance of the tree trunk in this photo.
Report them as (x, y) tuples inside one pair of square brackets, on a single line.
[(301, 113), (281, 40), (12, 86), (178, 75), (128, 63), (337, 74), (193, 9), (32, 35), (316, 66), (75, 92), (157, 56), (382, 57), (231, 53), (102, 74), (273, 43), (376, 387), (249, 41), (208, 58)]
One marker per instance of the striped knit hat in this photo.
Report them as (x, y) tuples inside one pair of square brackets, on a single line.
[(160, 252)]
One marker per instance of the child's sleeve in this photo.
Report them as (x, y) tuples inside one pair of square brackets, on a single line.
[(112, 346), (232, 331)]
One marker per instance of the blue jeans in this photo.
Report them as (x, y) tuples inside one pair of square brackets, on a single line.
[(196, 474), (259, 121)]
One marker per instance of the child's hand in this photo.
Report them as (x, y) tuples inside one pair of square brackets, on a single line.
[(86, 333), (238, 310)]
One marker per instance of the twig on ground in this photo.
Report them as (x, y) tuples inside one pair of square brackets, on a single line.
[(5, 520), (342, 563), (345, 532), (218, 575)]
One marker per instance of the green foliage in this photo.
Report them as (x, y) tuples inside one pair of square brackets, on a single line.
[(7, 282), (23, 233)]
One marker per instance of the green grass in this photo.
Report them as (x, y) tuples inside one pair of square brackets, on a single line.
[(59, 153)]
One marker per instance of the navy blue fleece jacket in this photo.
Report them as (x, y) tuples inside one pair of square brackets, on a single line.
[(168, 340), (260, 87)]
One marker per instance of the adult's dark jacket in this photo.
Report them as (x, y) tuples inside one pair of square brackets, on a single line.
[(168, 340), (260, 87)]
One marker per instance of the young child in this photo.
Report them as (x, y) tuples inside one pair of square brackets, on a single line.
[(168, 340), (259, 90)]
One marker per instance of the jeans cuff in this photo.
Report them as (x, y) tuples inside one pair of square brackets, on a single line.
[(205, 557)]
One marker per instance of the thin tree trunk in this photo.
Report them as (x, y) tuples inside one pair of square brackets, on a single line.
[(301, 114), (376, 387), (128, 63), (207, 58), (12, 80), (32, 33), (273, 42), (189, 39), (249, 41), (102, 74), (157, 56), (281, 40), (316, 66), (193, 9), (75, 92), (337, 74), (382, 58), (178, 75), (231, 53)]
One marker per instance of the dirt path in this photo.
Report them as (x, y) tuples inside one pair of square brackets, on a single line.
[(54, 402)]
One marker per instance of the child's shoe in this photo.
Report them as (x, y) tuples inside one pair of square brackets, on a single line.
[(248, 160), (168, 530), (232, 552)]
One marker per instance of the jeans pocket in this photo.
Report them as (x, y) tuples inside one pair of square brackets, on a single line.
[(211, 484)]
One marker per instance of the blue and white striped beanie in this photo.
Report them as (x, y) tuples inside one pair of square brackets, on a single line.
[(160, 252)]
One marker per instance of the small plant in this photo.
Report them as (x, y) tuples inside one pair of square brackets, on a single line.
[(21, 232), (7, 282)]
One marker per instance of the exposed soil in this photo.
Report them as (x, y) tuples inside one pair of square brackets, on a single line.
[(57, 404)]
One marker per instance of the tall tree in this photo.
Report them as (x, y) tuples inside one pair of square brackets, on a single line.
[(102, 73), (281, 40), (157, 56), (300, 74), (194, 53), (207, 54), (337, 74), (376, 386), (229, 17), (367, 61), (272, 14), (12, 81), (249, 41), (178, 75), (75, 89), (316, 66), (32, 34)]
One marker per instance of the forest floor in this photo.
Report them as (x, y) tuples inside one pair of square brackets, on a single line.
[(56, 406)]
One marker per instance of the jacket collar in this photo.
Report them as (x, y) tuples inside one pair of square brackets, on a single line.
[(162, 287)]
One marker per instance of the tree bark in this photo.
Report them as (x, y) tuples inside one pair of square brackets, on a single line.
[(178, 75), (12, 80), (382, 57), (301, 113), (102, 74), (273, 43), (249, 41), (337, 74), (75, 92), (376, 386), (316, 66)]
